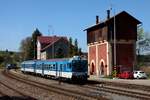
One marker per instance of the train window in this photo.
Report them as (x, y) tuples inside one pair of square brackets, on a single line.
[(64, 68), (60, 66), (47, 66), (53, 66), (69, 65), (50, 67), (39, 66)]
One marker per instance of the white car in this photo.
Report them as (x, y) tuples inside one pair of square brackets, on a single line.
[(139, 74)]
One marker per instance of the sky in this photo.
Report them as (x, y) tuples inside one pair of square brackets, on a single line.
[(19, 18)]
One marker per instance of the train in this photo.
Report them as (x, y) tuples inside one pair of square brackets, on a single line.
[(73, 68), (11, 66)]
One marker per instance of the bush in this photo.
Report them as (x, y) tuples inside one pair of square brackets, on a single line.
[(114, 73)]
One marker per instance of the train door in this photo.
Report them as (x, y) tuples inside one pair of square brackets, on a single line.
[(34, 67), (60, 70), (56, 68), (42, 69), (24, 67)]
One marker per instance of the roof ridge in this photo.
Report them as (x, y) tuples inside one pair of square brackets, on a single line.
[(51, 43)]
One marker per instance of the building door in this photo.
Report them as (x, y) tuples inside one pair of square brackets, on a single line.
[(102, 68), (92, 69)]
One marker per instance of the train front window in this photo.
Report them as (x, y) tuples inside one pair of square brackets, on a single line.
[(79, 65)]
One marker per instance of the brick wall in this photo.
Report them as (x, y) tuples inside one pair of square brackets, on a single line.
[(125, 56), (102, 57), (92, 59)]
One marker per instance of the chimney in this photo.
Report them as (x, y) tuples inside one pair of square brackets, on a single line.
[(97, 19), (108, 14)]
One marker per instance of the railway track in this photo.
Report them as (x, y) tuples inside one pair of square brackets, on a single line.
[(14, 95), (3, 94), (129, 86), (55, 89), (120, 91), (99, 88)]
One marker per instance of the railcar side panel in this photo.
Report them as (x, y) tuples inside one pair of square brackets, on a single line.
[(66, 68)]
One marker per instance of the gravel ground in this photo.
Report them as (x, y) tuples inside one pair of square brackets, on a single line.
[(9, 91), (145, 82), (71, 86), (35, 92)]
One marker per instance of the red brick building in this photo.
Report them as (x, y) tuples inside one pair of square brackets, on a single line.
[(100, 40)]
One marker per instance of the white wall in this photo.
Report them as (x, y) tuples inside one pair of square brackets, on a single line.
[(43, 55), (38, 50)]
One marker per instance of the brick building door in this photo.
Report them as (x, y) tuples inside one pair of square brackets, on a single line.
[(92, 69), (102, 68)]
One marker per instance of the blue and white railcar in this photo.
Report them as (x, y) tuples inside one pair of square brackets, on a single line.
[(79, 69), (64, 68), (70, 68), (28, 66), (49, 68)]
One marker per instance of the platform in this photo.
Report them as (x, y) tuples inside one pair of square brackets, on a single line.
[(145, 82)]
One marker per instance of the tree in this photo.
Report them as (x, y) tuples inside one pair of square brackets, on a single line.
[(25, 48), (1, 59), (143, 46), (28, 46), (59, 53), (143, 42), (80, 51), (140, 34), (73, 48), (71, 52), (76, 47), (33, 46)]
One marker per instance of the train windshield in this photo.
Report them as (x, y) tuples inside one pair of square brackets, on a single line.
[(79, 65)]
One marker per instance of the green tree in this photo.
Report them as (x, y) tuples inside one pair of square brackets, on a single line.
[(71, 51), (143, 45), (1, 59), (59, 53), (76, 47), (140, 39), (28, 46), (33, 46), (80, 52), (143, 42), (140, 33), (25, 48)]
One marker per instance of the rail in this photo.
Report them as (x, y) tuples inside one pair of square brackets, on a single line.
[(52, 88)]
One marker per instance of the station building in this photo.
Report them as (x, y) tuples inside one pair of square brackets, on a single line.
[(51, 46), (101, 48)]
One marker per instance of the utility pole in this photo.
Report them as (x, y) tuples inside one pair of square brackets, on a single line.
[(114, 40)]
